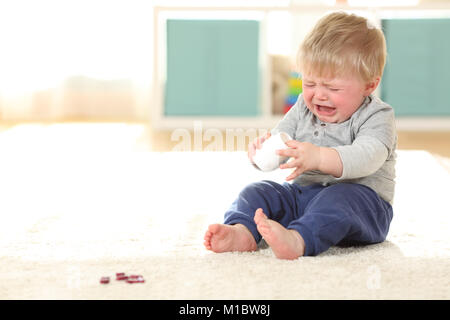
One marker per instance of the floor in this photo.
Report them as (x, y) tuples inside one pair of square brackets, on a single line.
[(85, 200), (435, 142), (140, 136)]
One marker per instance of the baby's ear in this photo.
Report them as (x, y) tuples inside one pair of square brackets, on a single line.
[(371, 86)]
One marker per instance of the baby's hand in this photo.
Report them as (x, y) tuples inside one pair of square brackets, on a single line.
[(306, 157), (256, 144)]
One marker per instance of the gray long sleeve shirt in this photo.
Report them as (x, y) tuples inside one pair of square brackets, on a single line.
[(366, 144)]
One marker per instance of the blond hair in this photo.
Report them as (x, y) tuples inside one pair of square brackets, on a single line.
[(343, 44)]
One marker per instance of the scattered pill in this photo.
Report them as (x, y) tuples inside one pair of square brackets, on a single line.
[(134, 278), (141, 280), (104, 280)]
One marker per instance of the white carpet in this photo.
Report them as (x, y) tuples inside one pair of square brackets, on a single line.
[(71, 216)]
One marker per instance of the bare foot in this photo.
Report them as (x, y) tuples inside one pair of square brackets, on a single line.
[(285, 243), (223, 238)]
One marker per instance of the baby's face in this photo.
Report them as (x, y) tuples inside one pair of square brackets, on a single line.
[(334, 99)]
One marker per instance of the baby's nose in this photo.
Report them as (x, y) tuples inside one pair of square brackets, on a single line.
[(320, 94)]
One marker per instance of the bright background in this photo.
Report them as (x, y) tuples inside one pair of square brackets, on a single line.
[(93, 60)]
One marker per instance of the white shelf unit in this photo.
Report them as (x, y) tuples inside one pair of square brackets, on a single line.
[(268, 120)]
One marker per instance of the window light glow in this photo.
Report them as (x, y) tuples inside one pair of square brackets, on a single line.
[(383, 3)]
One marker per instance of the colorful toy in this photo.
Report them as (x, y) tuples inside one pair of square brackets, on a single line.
[(295, 88)]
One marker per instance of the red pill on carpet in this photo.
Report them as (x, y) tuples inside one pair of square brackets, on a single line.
[(104, 280)]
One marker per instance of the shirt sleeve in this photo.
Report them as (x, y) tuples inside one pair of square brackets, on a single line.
[(290, 120), (371, 147)]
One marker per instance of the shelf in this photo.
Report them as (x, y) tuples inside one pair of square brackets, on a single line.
[(221, 123), (266, 119), (423, 123)]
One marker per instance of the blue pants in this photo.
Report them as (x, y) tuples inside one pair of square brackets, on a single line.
[(340, 214)]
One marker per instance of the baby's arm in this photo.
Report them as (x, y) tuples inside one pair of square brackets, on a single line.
[(373, 145), (288, 125), (365, 156), (307, 156), (370, 149), (256, 144)]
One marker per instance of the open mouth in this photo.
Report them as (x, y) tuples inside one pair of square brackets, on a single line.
[(325, 110)]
